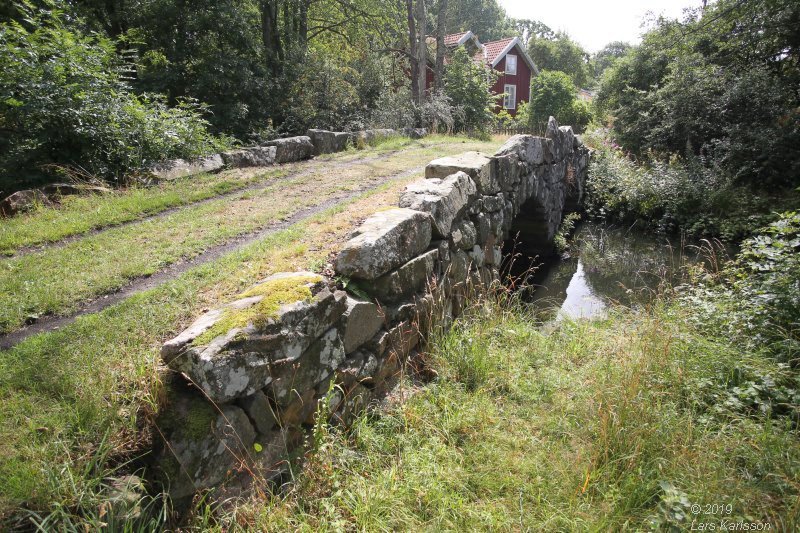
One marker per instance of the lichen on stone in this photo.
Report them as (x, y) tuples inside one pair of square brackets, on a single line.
[(275, 293)]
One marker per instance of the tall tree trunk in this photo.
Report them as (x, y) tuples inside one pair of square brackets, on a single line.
[(422, 49), (412, 50), (270, 36), (441, 31)]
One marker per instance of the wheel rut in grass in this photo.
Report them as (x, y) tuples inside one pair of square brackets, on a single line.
[(254, 187), (137, 285)]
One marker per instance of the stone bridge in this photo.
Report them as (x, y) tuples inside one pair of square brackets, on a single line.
[(251, 376)]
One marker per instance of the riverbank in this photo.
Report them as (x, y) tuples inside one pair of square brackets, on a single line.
[(631, 421), (654, 415)]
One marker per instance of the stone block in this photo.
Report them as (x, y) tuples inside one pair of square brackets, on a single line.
[(483, 227), (230, 352), (527, 148), (205, 445), (476, 165), (360, 322), (178, 168), (359, 367), (259, 156), (445, 199), (383, 242), (409, 278), (260, 411), (291, 378), (464, 235), (292, 149)]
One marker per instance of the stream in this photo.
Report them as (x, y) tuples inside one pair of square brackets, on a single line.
[(604, 265)]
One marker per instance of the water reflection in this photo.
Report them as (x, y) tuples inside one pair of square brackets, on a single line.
[(606, 264)]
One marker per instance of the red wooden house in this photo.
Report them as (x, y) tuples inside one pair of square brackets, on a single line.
[(506, 56)]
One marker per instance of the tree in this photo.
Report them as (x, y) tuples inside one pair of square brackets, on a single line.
[(485, 18), (606, 57), (65, 101), (552, 94), (562, 54), (468, 86), (721, 84), (441, 31)]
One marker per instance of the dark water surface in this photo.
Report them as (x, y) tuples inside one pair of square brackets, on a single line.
[(605, 264)]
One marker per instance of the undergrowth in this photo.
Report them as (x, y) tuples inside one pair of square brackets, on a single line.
[(642, 420)]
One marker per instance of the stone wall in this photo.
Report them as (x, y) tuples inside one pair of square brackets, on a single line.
[(255, 370)]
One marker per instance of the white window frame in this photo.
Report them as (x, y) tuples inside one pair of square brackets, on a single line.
[(510, 98), (508, 70)]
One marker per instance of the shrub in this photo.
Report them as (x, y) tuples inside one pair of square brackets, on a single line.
[(755, 301), (64, 100), (552, 93), (671, 194), (468, 86)]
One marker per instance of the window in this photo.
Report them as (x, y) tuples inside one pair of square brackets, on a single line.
[(511, 64), (510, 100)]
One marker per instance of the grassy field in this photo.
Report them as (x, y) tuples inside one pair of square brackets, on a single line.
[(626, 424), (75, 403)]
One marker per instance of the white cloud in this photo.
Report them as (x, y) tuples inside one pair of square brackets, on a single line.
[(594, 23)]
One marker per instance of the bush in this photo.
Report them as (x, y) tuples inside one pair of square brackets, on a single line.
[(65, 101), (755, 301), (552, 94), (468, 86), (671, 194)]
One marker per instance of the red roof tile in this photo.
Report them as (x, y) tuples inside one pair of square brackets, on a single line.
[(453, 38), (494, 48)]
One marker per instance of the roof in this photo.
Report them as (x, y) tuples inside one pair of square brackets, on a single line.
[(494, 51), (454, 39)]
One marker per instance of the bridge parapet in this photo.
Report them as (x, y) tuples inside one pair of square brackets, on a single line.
[(265, 363)]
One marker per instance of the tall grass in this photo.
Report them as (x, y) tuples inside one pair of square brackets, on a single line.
[(619, 424)]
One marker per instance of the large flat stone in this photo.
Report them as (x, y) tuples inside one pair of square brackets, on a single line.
[(178, 168), (259, 156), (326, 142), (383, 242), (527, 148), (445, 199), (476, 165), (292, 149), (239, 359)]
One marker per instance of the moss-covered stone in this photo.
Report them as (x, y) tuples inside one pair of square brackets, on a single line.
[(275, 293)]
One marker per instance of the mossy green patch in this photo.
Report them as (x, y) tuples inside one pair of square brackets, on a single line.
[(276, 292)]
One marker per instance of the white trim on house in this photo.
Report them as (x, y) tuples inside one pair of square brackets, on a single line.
[(514, 42), (470, 36), (510, 98)]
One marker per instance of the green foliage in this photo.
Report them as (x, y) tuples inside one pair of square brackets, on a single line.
[(552, 94), (606, 57), (721, 85), (485, 18), (674, 193), (65, 100), (562, 54), (468, 86), (610, 425), (756, 299)]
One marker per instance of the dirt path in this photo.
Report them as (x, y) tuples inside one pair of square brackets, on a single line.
[(97, 304), (309, 167)]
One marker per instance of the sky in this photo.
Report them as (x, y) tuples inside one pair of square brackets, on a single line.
[(595, 23)]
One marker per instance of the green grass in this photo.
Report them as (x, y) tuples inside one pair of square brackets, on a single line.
[(595, 426), (76, 402), (58, 280), (80, 214), (76, 215)]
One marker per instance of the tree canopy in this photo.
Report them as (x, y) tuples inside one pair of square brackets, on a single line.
[(721, 85)]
